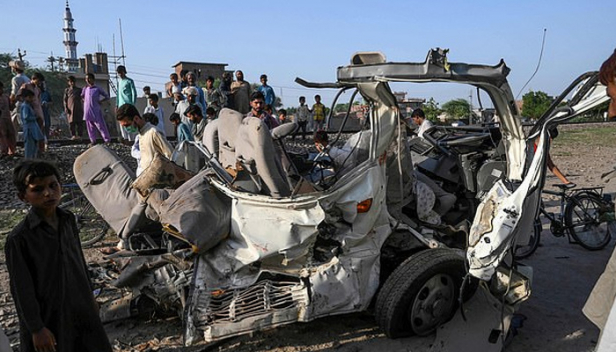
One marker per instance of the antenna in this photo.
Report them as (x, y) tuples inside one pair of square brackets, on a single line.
[(115, 68), (538, 64), (122, 43)]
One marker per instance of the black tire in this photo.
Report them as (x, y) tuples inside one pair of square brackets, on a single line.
[(421, 294), (522, 252), (92, 227), (584, 220)]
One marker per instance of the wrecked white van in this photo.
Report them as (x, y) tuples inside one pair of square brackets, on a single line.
[(303, 254), (271, 244)]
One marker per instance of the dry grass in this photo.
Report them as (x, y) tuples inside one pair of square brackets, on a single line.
[(597, 135)]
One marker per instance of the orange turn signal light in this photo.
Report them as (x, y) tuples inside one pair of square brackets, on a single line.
[(364, 206)]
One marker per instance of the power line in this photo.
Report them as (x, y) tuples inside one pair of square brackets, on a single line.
[(148, 74), (152, 68)]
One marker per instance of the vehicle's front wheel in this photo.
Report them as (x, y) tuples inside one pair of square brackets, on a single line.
[(421, 294)]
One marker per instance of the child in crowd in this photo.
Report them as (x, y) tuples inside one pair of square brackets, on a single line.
[(48, 274), (32, 133), (318, 114), (154, 108), (182, 130), (282, 116), (210, 114)]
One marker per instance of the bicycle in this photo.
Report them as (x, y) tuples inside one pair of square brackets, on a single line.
[(92, 227), (585, 217)]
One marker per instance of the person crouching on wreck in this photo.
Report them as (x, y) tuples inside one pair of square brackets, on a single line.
[(48, 274), (151, 141)]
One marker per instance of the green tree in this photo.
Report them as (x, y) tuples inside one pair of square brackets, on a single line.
[(5, 71), (457, 108), (431, 110), (341, 107), (535, 104), (56, 82)]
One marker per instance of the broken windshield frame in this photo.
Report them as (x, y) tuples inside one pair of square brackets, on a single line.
[(589, 80)]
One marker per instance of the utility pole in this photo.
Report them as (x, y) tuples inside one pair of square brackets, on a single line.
[(51, 59), (21, 56)]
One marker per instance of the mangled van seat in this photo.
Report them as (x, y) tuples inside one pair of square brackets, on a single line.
[(256, 153), (278, 135), (228, 126), (105, 180), (210, 137)]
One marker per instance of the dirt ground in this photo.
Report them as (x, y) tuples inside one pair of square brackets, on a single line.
[(564, 275)]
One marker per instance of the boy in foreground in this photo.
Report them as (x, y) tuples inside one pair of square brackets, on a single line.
[(48, 274)]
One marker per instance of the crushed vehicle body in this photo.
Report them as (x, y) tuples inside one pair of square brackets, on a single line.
[(266, 243)]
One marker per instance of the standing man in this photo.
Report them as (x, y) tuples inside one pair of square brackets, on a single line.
[(607, 77), (419, 118), (268, 92), (225, 90), (195, 115), (303, 114), (318, 114), (257, 105), (8, 141), (173, 85), (241, 93), (127, 94), (93, 115), (213, 97), (192, 82), (599, 308), (191, 95), (17, 68), (46, 101), (146, 94), (73, 108), (150, 140)]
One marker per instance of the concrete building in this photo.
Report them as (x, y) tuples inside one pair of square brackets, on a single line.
[(407, 105), (201, 69), (97, 64)]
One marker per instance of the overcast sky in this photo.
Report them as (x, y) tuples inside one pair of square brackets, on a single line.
[(309, 39)]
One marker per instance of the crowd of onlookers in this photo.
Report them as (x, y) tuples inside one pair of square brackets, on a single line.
[(25, 108)]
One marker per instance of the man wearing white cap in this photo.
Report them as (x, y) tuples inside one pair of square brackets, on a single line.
[(191, 95), (17, 68)]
